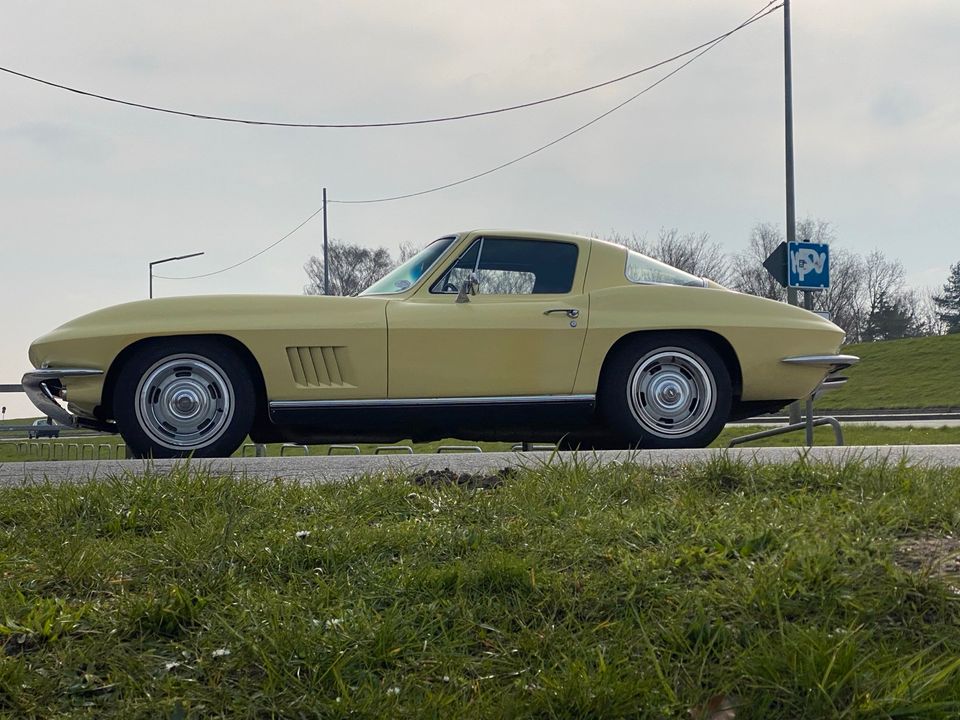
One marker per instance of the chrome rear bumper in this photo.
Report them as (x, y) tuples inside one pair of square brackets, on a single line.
[(43, 387), (833, 363)]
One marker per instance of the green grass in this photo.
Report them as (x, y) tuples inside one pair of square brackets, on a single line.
[(564, 592), (908, 373), (853, 434)]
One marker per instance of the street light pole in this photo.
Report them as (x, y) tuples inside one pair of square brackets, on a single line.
[(794, 409), (166, 260)]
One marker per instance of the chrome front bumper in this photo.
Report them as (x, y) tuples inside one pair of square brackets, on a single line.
[(831, 363), (43, 387)]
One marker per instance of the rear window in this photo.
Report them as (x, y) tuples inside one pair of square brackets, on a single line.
[(645, 270)]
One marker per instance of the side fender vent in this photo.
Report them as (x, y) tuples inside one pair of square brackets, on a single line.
[(320, 366)]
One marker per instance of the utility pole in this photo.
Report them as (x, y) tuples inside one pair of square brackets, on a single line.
[(326, 252), (794, 409)]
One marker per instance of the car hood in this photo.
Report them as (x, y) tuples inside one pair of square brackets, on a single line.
[(209, 313)]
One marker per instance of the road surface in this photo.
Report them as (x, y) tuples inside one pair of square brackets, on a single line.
[(340, 468)]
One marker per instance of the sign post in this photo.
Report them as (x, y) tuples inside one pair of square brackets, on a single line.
[(801, 266)]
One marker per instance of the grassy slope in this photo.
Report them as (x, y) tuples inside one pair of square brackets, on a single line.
[(909, 373), (565, 592)]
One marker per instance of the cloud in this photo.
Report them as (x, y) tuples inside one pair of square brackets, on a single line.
[(66, 142)]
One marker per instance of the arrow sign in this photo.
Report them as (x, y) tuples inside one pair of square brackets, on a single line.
[(776, 264)]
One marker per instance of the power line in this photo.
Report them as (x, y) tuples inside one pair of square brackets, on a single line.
[(757, 16), (396, 123), (255, 255)]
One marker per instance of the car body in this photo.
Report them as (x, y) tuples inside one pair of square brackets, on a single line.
[(43, 427), (485, 335)]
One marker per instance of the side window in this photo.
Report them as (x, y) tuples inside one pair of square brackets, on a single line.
[(513, 267)]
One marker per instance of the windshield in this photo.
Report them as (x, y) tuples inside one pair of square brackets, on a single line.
[(642, 269), (404, 276)]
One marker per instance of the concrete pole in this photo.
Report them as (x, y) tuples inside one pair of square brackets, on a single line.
[(326, 252)]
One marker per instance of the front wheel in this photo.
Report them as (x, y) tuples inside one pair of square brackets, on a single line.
[(666, 391), (184, 397)]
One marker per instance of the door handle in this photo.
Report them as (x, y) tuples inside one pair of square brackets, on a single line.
[(569, 312)]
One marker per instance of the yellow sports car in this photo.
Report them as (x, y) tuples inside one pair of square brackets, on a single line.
[(484, 335)]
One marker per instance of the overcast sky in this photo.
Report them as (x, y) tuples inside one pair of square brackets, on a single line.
[(90, 192)]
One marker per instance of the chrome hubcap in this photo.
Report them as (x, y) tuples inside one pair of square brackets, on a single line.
[(184, 402), (671, 392)]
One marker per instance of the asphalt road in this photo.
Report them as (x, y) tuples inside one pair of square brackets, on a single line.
[(340, 468)]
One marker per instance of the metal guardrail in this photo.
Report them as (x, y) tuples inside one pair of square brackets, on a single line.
[(533, 447), (259, 449), (351, 449), (392, 449), (293, 446), (807, 424), (59, 450), (459, 449)]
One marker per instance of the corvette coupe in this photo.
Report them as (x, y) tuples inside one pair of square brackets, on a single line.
[(483, 335)]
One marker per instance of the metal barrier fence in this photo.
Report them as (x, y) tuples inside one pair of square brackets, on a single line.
[(61, 450), (79, 450)]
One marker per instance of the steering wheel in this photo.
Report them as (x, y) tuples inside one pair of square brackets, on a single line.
[(450, 287)]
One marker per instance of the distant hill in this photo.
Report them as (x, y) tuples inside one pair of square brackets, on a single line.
[(909, 373)]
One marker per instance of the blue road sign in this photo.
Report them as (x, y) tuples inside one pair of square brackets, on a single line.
[(808, 265)]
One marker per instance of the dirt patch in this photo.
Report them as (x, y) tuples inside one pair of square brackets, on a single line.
[(937, 556), (439, 478)]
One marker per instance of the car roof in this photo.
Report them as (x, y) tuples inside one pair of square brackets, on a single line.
[(525, 234)]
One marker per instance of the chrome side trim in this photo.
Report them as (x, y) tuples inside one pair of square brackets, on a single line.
[(833, 362), (34, 385), (428, 402)]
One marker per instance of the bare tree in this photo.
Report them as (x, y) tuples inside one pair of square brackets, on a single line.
[(866, 297), (843, 298), (815, 231), (352, 268), (694, 253), (882, 281), (637, 243), (407, 251), (928, 312), (749, 274)]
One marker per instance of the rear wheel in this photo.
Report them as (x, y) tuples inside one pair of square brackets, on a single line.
[(184, 397), (667, 390)]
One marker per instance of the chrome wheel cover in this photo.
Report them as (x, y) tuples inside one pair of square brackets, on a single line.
[(671, 392), (184, 402)]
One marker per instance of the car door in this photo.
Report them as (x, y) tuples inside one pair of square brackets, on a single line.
[(521, 334)]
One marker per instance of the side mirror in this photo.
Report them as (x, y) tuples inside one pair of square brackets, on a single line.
[(468, 287)]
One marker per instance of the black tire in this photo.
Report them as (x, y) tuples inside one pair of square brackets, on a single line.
[(184, 397), (665, 390)]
